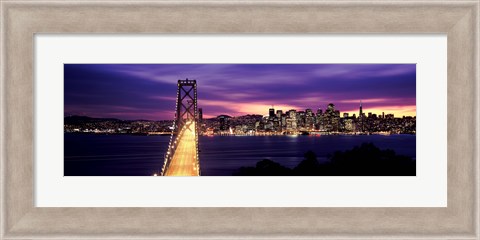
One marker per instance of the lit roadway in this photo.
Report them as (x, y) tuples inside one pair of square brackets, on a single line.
[(184, 159)]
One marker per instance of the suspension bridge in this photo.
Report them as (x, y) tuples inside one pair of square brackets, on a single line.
[(181, 158)]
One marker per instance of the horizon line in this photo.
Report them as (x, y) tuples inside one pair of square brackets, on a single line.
[(232, 116)]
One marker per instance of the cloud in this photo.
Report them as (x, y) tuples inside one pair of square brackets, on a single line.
[(149, 90)]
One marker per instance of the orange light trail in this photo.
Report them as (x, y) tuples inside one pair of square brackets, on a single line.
[(184, 161)]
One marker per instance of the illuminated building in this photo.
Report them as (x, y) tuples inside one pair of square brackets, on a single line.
[(331, 118), (349, 124), (291, 120), (223, 122), (319, 120), (284, 121), (279, 114), (309, 119), (301, 120)]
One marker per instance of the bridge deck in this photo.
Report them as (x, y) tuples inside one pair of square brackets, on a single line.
[(184, 160)]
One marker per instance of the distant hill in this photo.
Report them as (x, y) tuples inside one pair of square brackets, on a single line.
[(248, 116), (76, 119), (84, 119)]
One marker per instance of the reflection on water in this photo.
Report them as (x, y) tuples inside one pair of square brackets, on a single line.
[(129, 155)]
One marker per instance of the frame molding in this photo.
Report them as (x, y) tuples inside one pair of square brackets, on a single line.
[(20, 20)]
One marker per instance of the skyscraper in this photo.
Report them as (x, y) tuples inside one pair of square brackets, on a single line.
[(271, 113), (279, 114), (331, 118), (291, 120), (309, 119), (360, 116), (319, 119)]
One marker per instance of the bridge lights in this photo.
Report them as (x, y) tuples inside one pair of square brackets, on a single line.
[(186, 115)]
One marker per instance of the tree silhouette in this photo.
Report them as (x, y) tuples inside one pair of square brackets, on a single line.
[(265, 167), (363, 160), (308, 167), (368, 160)]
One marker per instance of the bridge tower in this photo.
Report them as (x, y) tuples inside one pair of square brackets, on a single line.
[(184, 133), (186, 107)]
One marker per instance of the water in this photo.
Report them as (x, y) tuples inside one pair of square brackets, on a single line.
[(130, 155)]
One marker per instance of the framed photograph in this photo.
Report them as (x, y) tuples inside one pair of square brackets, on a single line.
[(225, 119)]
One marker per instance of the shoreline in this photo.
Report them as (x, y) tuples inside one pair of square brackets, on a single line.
[(245, 135)]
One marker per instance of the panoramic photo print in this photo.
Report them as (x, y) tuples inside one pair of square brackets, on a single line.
[(239, 120)]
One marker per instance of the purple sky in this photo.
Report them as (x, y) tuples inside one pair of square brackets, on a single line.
[(148, 91)]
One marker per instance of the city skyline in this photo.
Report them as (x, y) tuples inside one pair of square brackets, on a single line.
[(266, 113), (144, 91)]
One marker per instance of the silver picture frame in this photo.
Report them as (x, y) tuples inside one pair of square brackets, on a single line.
[(21, 20)]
